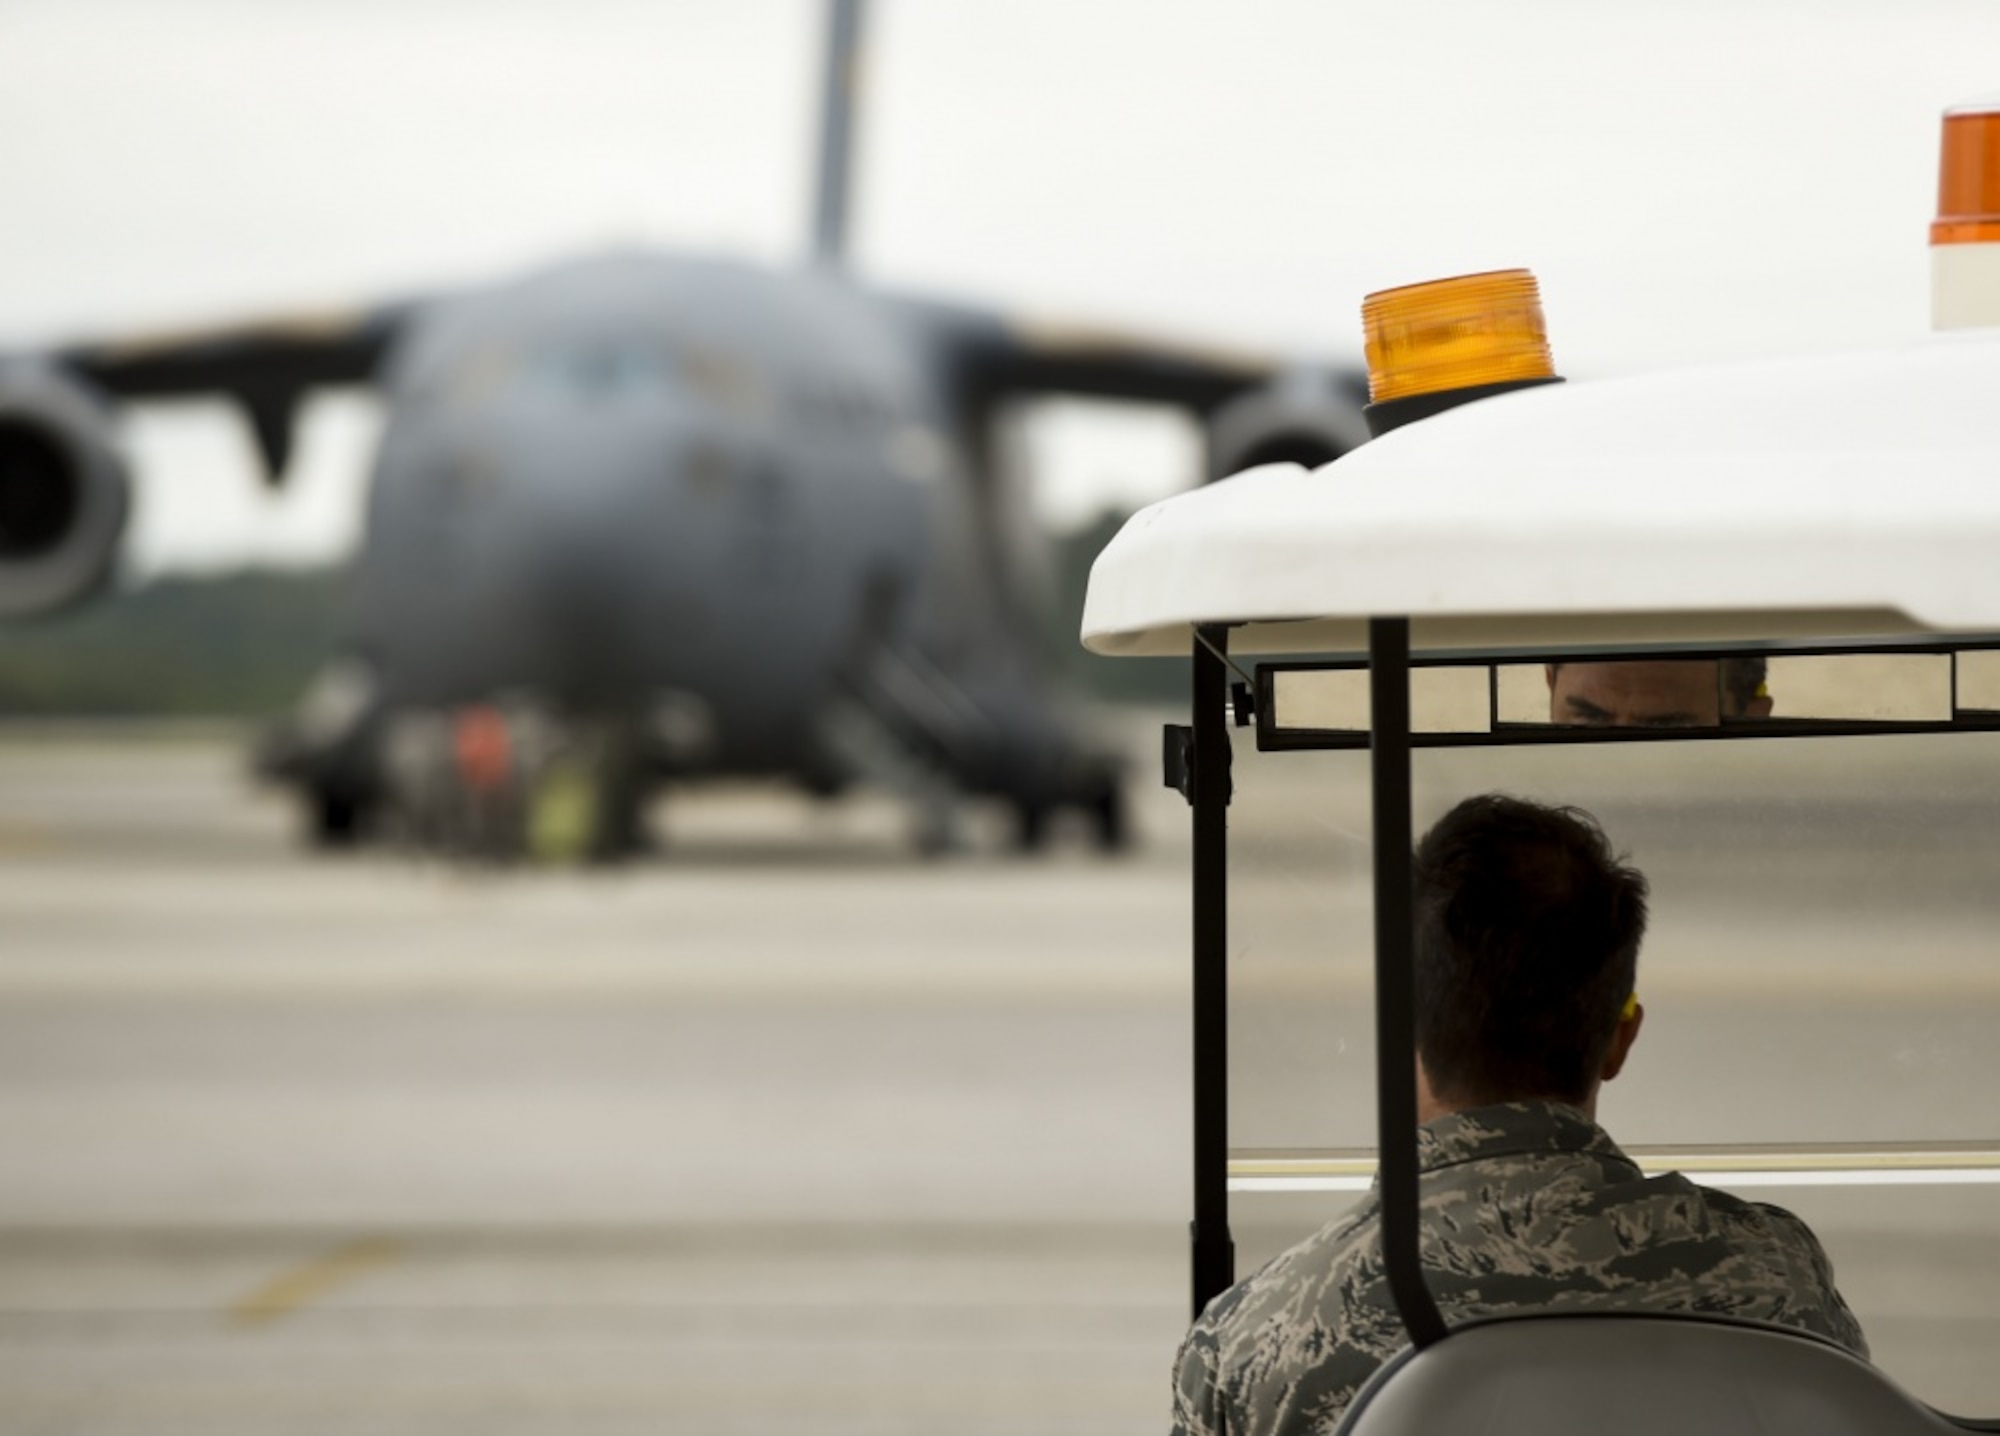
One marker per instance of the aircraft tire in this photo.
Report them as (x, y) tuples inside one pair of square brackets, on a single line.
[(622, 833), (934, 829), (1031, 827), (335, 821), (1109, 820)]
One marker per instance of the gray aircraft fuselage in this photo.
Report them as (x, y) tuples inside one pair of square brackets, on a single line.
[(638, 473), (640, 479)]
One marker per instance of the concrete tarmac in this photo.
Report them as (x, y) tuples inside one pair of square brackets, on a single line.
[(786, 1130)]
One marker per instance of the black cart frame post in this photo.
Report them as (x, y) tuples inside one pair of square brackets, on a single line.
[(1212, 1253), (1395, 976)]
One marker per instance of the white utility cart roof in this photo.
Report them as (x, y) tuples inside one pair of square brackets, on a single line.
[(1851, 494)]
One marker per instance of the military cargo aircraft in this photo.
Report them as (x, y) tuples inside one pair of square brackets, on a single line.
[(658, 517)]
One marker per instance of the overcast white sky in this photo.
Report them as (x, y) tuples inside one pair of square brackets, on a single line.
[(1707, 178)]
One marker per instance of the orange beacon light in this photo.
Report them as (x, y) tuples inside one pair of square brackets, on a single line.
[(1437, 345), (1965, 236)]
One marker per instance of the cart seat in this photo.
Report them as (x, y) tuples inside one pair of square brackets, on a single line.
[(1639, 1375)]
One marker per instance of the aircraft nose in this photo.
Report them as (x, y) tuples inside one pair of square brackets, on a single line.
[(634, 557), (743, 505), (566, 618), (566, 562)]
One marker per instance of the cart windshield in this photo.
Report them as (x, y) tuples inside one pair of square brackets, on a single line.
[(1819, 973)]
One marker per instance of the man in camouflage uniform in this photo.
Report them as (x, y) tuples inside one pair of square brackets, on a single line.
[(1527, 942)]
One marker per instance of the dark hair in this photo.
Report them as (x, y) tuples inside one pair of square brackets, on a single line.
[(1741, 680), (1527, 945)]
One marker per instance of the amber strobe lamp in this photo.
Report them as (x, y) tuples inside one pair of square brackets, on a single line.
[(1965, 236), (1434, 346)]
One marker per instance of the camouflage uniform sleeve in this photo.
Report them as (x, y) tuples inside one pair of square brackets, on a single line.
[(1835, 1318), (1198, 1385)]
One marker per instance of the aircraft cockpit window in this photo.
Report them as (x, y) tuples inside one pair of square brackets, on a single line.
[(724, 381), (478, 376), (602, 370)]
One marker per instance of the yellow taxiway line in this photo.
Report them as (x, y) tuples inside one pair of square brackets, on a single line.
[(286, 1292)]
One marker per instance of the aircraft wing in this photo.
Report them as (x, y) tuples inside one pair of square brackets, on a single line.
[(1108, 363), (265, 367), (1255, 408)]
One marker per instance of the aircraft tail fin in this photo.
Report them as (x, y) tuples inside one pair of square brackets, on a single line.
[(836, 132)]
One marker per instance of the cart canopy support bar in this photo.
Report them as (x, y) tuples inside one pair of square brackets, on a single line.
[(1395, 977), (1212, 1252)]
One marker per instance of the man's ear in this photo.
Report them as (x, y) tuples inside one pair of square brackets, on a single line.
[(1621, 1043)]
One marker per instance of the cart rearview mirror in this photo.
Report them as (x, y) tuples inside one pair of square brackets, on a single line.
[(1455, 699)]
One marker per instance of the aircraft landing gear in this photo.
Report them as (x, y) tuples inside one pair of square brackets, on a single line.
[(335, 821), (934, 823), (1104, 810), (1110, 823), (1031, 827)]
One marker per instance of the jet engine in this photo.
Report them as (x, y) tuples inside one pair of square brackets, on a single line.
[(1308, 415), (64, 490)]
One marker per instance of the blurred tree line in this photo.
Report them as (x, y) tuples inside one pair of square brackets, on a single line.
[(1114, 680), (245, 644), (230, 644)]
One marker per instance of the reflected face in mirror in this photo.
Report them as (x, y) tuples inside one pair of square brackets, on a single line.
[(1657, 693)]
